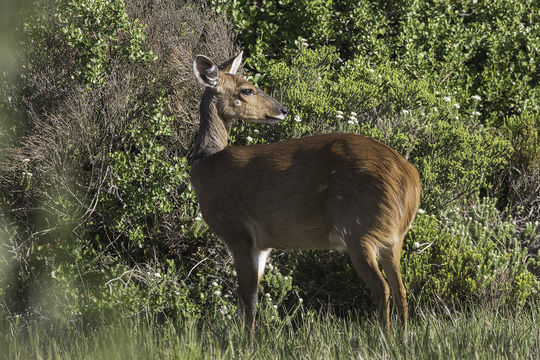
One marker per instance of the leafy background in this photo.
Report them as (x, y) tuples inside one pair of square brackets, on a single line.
[(99, 110)]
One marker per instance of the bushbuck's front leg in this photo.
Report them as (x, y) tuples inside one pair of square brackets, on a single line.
[(249, 263)]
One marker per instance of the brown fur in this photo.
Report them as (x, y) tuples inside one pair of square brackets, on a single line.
[(318, 192)]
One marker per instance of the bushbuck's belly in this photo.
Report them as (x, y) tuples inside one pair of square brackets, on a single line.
[(301, 236)]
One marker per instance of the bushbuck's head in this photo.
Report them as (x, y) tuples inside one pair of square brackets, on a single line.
[(236, 98)]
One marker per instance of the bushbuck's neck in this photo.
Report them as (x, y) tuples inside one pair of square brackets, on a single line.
[(212, 130)]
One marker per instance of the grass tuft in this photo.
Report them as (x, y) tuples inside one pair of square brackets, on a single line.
[(474, 332)]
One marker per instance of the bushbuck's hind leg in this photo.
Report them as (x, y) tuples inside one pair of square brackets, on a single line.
[(390, 260), (363, 255)]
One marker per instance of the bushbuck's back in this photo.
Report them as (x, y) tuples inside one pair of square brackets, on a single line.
[(319, 192)]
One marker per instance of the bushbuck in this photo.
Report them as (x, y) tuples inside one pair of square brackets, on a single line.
[(316, 192)]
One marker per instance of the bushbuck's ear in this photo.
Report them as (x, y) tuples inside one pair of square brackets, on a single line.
[(231, 66), (205, 71)]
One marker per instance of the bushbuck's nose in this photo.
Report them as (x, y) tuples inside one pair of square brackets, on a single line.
[(283, 110)]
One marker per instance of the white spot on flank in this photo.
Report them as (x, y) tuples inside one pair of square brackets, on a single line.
[(322, 187), (358, 221), (333, 172)]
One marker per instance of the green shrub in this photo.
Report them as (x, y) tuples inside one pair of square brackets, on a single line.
[(98, 214), (94, 180), (468, 252), (271, 28), (520, 178), (485, 49), (143, 176), (475, 48), (98, 31)]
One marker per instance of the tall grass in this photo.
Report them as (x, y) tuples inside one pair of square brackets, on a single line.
[(472, 333)]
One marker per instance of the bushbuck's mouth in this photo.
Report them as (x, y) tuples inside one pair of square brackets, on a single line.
[(275, 118)]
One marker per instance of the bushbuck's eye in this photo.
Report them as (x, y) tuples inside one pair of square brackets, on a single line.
[(246, 92)]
